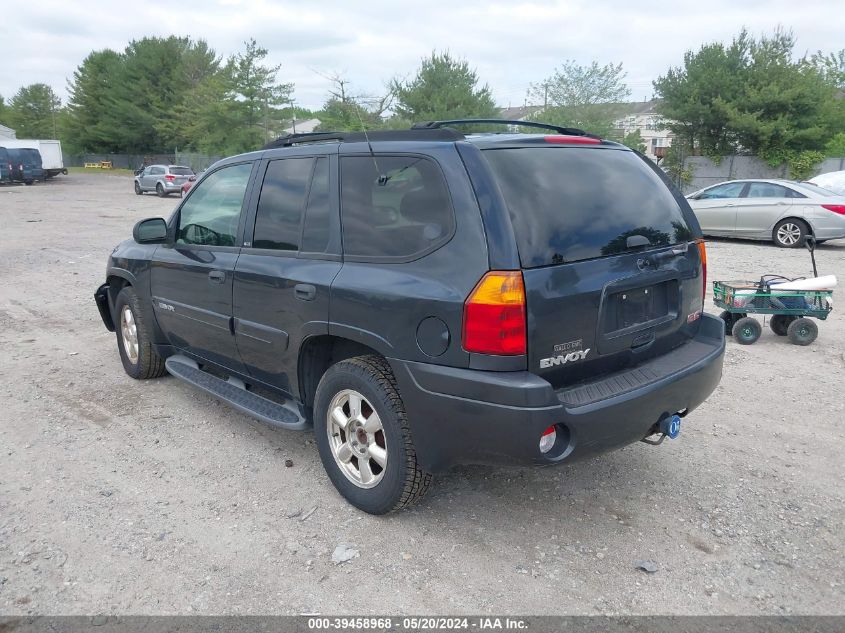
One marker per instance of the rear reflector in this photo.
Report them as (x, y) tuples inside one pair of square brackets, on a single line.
[(702, 255), (494, 315), (836, 208), (565, 139), (547, 439)]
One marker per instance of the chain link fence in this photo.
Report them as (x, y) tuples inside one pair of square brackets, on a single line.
[(198, 162)]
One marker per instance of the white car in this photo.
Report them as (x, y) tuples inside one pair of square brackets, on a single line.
[(833, 181), (782, 211)]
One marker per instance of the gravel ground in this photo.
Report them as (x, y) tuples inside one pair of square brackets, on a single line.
[(120, 496)]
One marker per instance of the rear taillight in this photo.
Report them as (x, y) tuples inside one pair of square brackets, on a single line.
[(494, 315), (702, 255), (170, 177), (836, 208), (566, 139)]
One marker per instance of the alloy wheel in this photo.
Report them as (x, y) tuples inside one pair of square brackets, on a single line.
[(789, 234), (356, 438), (129, 334)]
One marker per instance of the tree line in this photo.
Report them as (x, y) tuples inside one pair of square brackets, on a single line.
[(753, 96), (159, 94)]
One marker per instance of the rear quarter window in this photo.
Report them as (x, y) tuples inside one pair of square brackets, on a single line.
[(393, 208), (571, 204)]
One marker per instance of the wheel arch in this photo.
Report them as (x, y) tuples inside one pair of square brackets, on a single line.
[(318, 353), (794, 218), (117, 280)]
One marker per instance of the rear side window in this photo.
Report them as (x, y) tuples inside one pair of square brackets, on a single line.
[(768, 190), (569, 204), (393, 207), (278, 221)]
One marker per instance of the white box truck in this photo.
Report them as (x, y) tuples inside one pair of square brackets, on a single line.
[(51, 153)]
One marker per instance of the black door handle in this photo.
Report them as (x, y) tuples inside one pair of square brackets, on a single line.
[(305, 292), (217, 276)]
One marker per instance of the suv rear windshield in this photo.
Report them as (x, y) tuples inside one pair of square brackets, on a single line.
[(570, 204), (181, 171)]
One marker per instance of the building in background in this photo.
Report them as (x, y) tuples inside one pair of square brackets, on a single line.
[(637, 116), (302, 126), (7, 132), (642, 117)]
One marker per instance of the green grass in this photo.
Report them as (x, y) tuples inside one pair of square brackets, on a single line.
[(102, 172)]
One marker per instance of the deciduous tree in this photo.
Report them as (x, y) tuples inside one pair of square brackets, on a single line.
[(587, 97)]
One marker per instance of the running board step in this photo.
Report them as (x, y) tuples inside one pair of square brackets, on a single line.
[(234, 393)]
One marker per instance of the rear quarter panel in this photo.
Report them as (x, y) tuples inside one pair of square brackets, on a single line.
[(383, 304)]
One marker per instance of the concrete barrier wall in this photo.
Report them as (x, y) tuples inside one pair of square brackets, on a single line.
[(705, 172)]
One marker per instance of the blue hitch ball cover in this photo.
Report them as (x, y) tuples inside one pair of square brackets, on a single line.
[(671, 426)]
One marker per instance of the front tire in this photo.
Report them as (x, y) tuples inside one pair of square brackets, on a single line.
[(364, 438), (747, 330), (790, 233), (139, 359), (138, 189)]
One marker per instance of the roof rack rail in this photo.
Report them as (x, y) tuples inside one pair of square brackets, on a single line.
[(414, 134), (434, 125), (304, 137)]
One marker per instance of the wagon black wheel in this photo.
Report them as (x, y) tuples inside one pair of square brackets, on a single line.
[(729, 319), (747, 330), (802, 331), (780, 323)]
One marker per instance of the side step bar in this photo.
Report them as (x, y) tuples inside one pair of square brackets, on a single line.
[(234, 393)]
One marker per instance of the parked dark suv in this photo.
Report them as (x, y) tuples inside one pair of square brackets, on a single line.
[(424, 299), (25, 164)]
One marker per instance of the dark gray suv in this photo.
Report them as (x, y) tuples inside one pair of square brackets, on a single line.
[(422, 299)]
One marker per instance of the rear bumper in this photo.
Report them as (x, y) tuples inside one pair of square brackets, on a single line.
[(462, 416), (829, 233)]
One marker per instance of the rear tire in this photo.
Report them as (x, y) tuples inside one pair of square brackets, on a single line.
[(747, 330), (160, 191), (139, 359), (802, 331), (780, 323), (790, 233), (359, 415), (729, 319)]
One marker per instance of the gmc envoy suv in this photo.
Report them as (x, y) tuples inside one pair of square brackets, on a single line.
[(424, 298)]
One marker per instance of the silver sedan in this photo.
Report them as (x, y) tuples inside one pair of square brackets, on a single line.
[(782, 211)]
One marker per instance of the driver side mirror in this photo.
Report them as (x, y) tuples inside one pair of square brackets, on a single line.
[(150, 231)]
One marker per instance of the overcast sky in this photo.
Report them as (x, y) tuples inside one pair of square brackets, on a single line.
[(511, 44)]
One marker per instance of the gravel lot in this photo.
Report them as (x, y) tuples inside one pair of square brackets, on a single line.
[(119, 496)]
